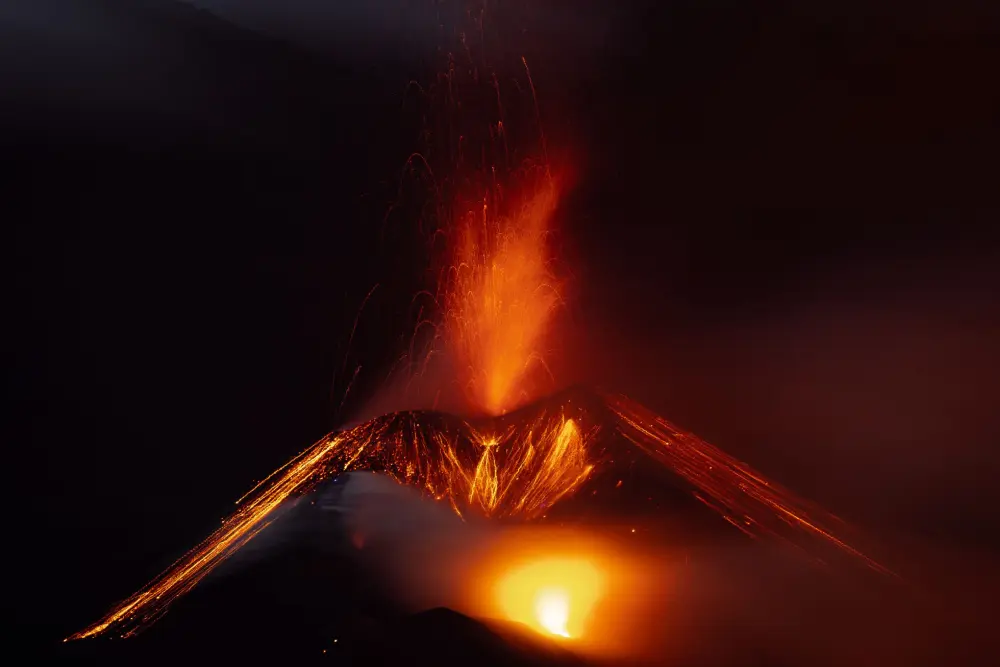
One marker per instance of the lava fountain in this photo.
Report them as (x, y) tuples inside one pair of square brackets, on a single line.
[(500, 295)]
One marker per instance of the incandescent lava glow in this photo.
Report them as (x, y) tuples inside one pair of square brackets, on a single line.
[(499, 296), (552, 610), (554, 596), (520, 475)]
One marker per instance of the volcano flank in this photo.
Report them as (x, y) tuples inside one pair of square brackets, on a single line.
[(577, 458)]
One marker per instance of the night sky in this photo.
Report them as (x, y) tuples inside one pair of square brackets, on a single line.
[(782, 237)]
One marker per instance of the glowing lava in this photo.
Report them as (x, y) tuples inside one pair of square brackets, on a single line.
[(522, 473), (554, 596), (500, 295), (552, 610)]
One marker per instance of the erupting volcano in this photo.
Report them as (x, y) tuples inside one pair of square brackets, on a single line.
[(568, 457)]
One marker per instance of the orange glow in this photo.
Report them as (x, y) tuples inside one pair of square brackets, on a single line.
[(554, 596), (500, 296), (741, 495), (517, 472), (521, 473)]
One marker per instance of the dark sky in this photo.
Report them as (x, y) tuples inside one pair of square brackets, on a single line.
[(782, 237), (342, 26)]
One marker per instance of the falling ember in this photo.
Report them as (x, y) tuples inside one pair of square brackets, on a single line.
[(554, 596), (500, 295)]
